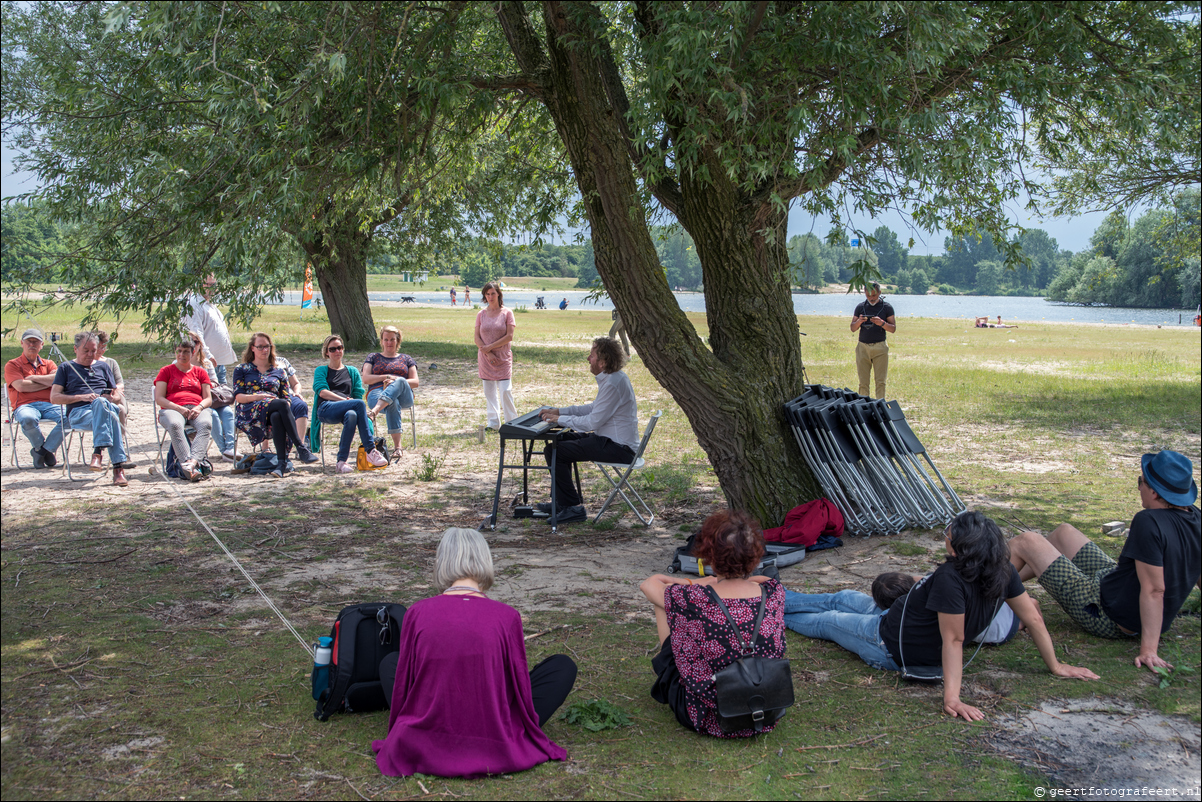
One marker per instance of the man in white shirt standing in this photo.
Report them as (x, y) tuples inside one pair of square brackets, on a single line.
[(206, 320), (606, 430)]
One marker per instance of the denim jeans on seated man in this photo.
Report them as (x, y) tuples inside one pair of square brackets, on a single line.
[(101, 416), (27, 416), (849, 618), (223, 421), (352, 414), (399, 396)]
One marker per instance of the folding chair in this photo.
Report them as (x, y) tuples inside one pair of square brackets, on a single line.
[(621, 476), (160, 433), (14, 429), (69, 433)]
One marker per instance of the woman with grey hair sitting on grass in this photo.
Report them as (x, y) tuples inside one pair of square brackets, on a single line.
[(462, 701)]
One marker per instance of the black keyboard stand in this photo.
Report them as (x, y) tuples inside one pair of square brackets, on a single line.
[(528, 441)]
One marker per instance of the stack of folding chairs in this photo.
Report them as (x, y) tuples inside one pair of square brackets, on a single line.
[(867, 460)]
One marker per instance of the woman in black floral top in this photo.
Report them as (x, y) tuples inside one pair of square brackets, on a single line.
[(695, 637), (262, 407)]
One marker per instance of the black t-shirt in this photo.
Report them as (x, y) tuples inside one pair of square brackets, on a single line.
[(76, 379), (339, 381), (944, 591), (869, 331), (1167, 538)]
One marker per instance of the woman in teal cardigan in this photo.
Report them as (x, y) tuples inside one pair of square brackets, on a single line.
[(338, 395)]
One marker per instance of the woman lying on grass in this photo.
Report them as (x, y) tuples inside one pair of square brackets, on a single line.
[(695, 638), (463, 702), (929, 626)]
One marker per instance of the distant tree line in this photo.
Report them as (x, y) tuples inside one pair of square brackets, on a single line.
[(1152, 262)]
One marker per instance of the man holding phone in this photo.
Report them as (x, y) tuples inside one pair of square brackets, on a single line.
[(89, 389), (873, 319)]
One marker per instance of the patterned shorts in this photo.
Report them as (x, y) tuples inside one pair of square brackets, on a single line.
[(1076, 587)]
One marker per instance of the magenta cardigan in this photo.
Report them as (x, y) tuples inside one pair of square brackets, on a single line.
[(461, 704)]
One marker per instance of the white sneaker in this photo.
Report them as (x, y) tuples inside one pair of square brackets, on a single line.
[(229, 456), (342, 467), (377, 459)]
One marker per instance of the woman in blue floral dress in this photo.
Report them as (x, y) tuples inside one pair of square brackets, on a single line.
[(262, 401)]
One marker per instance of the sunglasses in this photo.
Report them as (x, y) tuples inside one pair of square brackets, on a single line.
[(336, 348)]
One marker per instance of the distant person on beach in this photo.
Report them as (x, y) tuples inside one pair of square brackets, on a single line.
[(453, 297), (983, 323), (467, 295), (1161, 562), (494, 358), (873, 319), (563, 304)]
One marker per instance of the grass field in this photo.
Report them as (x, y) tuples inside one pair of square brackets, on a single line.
[(137, 664)]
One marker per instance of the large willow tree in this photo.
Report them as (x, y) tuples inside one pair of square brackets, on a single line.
[(725, 114), (247, 138)]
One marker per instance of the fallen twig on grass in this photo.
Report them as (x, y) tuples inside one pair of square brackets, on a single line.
[(860, 742), (53, 667), (83, 562), (545, 631)]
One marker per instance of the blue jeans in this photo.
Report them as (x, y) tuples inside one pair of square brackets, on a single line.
[(101, 416), (399, 395), (352, 414), (27, 416), (849, 618), (223, 421)]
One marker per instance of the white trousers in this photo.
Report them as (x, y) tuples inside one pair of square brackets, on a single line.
[(499, 394)]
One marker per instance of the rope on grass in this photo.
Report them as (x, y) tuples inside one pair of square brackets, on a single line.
[(162, 474)]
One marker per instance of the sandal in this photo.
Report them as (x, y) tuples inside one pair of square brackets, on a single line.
[(396, 455)]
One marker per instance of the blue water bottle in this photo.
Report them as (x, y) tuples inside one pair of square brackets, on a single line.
[(322, 652)]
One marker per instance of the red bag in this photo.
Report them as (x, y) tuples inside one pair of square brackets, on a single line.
[(806, 523)]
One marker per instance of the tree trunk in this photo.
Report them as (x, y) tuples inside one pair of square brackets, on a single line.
[(339, 257), (733, 396)]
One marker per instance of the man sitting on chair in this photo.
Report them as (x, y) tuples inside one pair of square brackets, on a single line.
[(29, 378), (89, 389), (1140, 594), (612, 419)]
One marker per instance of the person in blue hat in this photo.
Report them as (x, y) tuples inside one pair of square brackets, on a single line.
[(1141, 593)]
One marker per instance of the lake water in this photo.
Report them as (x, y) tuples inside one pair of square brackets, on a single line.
[(1011, 308)]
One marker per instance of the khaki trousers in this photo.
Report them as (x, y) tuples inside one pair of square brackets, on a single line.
[(872, 357)]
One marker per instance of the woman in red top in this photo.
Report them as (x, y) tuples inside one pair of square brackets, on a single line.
[(181, 391)]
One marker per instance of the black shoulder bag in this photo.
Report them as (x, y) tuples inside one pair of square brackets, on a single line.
[(753, 692)]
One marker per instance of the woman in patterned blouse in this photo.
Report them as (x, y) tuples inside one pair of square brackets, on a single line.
[(391, 378), (262, 402), (695, 637)]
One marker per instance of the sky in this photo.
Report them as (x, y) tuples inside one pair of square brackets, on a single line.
[(1070, 233)]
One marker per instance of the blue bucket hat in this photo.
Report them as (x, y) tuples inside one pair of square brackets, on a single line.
[(1171, 475)]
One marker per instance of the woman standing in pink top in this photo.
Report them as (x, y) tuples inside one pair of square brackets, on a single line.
[(494, 333)]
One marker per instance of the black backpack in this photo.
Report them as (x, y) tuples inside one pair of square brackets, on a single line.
[(363, 634)]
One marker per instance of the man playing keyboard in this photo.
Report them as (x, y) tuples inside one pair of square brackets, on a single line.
[(606, 430)]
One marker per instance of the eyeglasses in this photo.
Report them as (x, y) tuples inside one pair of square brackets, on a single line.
[(261, 347), (336, 348), (385, 629)]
